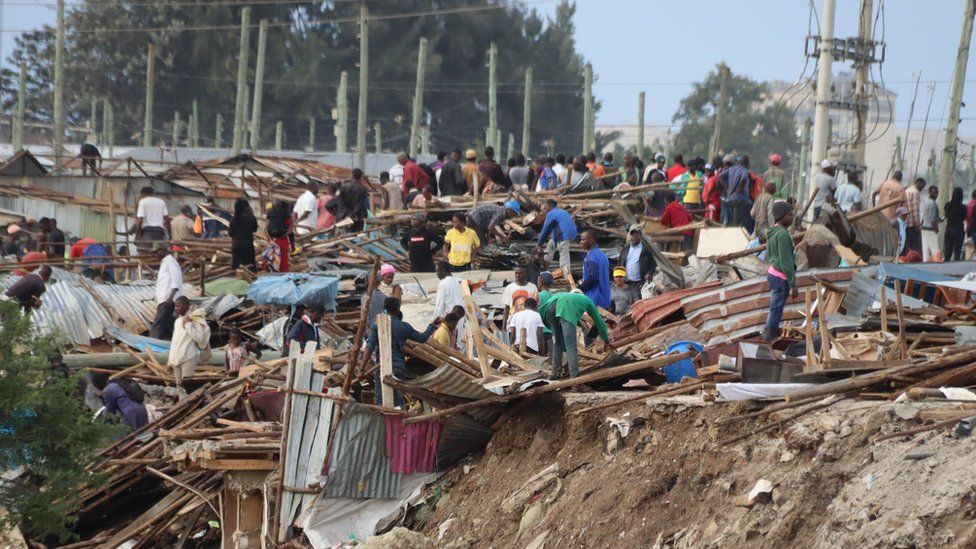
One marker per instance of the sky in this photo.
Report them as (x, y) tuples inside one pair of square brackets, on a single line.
[(661, 47)]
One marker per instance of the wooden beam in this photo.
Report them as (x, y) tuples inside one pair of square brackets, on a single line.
[(474, 327), (385, 335)]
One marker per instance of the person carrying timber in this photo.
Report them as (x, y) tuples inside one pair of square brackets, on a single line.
[(781, 274), (400, 333)]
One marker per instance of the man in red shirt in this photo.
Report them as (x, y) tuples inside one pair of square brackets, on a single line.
[(970, 228), (678, 168), (675, 215), (412, 173)]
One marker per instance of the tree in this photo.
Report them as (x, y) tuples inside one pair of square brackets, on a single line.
[(45, 429), (752, 123), (309, 44)]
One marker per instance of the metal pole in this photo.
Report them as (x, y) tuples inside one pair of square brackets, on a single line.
[(378, 136), (527, 114), (218, 131), (258, 86), (241, 103), (587, 108), (493, 98), (363, 83), (59, 85), (311, 135), (418, 98), (18, 137), (342, 116), (723, 88), (821, 138), (640, 125), (279, 130), (955, 104), (862, 68), (147, 125)]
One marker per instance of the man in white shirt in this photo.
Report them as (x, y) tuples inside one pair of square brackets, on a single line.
[(529, 320), (152, 217), (517, 292), (448, 291), (559, 168), (169, 286), (306, 209), (396, 174)]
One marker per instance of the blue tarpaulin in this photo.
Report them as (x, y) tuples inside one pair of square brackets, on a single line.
[(295, 289)]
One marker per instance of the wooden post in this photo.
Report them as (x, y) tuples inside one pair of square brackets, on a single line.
[(147, 126), (808, 329), (523, 336), (824, 331), (418, 99), (363, 84), (258, 86), (294, 355), (901, 321), (241, 103), (587, 108), (59, 84), (493, 97), (947, 171), (640, 126), (386, 358), (18, 129), (475, 328), (527, 114), (716, 145), (203, 277), (342, 113)]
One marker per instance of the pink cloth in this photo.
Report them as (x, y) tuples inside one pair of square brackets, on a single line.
[(776, 273), (326, 220)]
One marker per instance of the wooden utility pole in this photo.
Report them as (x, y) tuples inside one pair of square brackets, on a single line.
[(195, 128), (640, 125), (342, 113), (218, 131), (527, 114), (492, 140), (723, 91), (363, 84), (147, 125), (279, 131), (862, 67), (311, 135), (59, 85), (176, 129), (955, 104), (18, 129), (588, 144), (821, 121), (418, 99), (258, 86), (240, 104), (378, 136)]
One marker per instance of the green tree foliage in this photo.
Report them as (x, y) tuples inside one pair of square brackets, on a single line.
[(309, 44), (45, 429), (752, 123)]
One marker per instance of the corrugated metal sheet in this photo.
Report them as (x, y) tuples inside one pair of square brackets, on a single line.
[(646, 313), (448, 380), (360, 467), (412, 448)]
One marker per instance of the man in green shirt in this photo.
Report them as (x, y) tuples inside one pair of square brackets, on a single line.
[(562, 315)]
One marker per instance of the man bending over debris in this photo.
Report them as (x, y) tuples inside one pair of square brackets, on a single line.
[(400, 332), (562, 314), (123, 397), (191, 340), (28, 290), (781, 274)]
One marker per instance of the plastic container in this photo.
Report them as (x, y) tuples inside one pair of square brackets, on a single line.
[(683, 368)]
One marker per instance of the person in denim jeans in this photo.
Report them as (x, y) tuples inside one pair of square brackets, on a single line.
[(781, 274)]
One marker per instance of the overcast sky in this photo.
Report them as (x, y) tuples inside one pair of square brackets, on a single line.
[(662, 46)]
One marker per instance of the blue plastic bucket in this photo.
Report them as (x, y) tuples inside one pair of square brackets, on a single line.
[(683, 368)]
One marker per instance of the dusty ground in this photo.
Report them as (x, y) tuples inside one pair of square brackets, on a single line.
[(667, 483)]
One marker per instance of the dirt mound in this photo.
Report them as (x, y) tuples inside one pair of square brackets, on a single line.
[(652, 475)]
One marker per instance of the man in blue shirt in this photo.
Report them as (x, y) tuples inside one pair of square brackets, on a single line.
[(596, 272), (557, 232), (400, 332)]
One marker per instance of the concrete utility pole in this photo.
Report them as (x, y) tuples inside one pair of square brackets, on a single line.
[(246, 121), (342, 113), (861, 74), (59, 85), (723, 90), (258, 86), (279, 132), (378, 136), (425, 140), (493, 98), (955, 104), (821, 137), (195, 129), (240, 104), (418, 98), (640, 125), (899, 159), (804, 160), (105, 123), (527, 114), (511, 146), (176, 128), (93, 117), (218, 131), (311, 135), (110, 130), (363, 84), (147, 125), (18, 129), (587, 108)]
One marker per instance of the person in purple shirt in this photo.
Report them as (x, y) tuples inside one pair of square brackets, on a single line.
[(121, 401)]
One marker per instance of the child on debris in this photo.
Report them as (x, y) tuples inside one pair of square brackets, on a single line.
[(237, 352), (781, 274), (622, 294)]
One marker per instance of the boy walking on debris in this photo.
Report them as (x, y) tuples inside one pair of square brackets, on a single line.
[(191, 340), (781, 274)]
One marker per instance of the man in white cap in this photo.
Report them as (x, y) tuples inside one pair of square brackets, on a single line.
[(826, 183)]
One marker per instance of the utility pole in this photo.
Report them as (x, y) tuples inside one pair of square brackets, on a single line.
[(378, 136), (955, 104), (177, 126), (311, 135), (527, 114), (723, 90), (804, 176), (899, 159), (511, 146), (862, 67), (821, 138), (342, 113), (587, 108), (425, 140), (418, 98), (640, 125), (147, 125), (18, 137), (92, 118), (245, 121), (110, 130), (279, 131), (59, 85), (105, 124), (195, 129), (493, 98), (240, 104), (258, 86), (363, 84), (218, 131)]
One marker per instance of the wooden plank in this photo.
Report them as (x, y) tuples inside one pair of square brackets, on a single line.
[(474, 328), (901, 321), (822, 322), (808, 329), (237, 464), (385, 334), (240, 425)]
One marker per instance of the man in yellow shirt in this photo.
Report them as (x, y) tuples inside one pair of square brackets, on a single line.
[(445, 333), (460, 244)]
